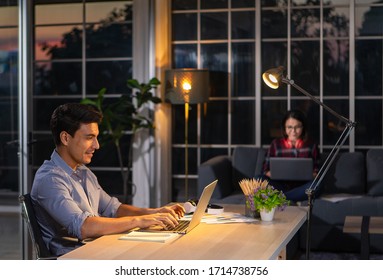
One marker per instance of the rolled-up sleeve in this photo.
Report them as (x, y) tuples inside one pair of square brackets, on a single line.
[(57, 197)]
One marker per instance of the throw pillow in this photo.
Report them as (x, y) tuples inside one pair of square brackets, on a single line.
[(347, 174), (374, 162)]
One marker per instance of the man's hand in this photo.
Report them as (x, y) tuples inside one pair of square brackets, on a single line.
[(176, 210), (166, 216), (158, 219)]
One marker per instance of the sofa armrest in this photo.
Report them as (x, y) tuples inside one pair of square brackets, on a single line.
[(217, 168)]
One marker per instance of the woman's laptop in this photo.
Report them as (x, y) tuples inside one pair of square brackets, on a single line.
[(185, 226), (291, 169)]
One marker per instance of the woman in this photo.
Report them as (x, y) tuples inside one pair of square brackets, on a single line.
[(294, 143)]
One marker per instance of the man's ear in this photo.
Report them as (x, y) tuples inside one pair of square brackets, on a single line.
[(64, 137)]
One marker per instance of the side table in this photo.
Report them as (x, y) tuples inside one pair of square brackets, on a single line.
[(364, 225)]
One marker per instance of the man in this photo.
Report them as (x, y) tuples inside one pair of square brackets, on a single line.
[(66, 195)]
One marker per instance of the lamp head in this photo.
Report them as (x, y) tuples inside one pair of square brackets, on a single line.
[(273, 77), (187, 85)]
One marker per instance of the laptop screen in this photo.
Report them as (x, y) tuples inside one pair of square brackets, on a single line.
[(291, 169)]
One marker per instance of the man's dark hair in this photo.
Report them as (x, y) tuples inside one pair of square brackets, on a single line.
[(68, 117)]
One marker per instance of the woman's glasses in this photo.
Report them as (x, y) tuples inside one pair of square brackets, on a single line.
[(290, 128)]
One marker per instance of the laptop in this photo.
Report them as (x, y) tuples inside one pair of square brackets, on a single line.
[(185, 226), (291, 169)]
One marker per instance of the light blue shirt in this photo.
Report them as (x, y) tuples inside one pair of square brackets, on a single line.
[(64, 198)]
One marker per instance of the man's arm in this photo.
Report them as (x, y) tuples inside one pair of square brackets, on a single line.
[(129, 217), (176, 210), (98, 226)]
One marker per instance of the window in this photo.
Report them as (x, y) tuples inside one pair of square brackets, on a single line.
[(9, 97), (311, 39), (74, 58)]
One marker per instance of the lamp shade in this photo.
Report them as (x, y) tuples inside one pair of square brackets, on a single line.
[(273, 77), (187, 86)]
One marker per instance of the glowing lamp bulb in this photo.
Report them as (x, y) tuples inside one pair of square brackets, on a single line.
[(272, 78), (186, 86)]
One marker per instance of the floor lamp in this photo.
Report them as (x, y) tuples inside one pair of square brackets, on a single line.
[(187, 86), (273, 78)]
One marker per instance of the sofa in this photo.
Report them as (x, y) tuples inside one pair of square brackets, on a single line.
[(353, 186)]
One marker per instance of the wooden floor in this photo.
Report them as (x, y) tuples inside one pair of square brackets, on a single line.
[(10, 236)]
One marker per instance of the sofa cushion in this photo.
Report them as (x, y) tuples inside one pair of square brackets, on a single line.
[(218, 167), (247, 163), (347, 174), (374, 163)]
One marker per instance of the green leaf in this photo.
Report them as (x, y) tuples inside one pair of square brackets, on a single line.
[(154, 82), (88, 101), (133, 83)]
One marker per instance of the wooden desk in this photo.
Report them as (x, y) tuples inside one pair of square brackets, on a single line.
[(238, 241)]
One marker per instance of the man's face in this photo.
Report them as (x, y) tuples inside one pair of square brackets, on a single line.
[(82, 145)]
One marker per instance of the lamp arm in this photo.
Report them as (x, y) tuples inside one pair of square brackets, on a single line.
[(310, 192), (340, 117), (330, 159)]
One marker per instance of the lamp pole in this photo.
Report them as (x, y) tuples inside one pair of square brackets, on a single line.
[(272, 78), (186, 151), (187, 86)]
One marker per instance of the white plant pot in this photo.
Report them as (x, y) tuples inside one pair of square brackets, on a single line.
[(267, 216)]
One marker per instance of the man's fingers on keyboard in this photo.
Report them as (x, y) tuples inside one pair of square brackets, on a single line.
[(171, 223), (173, 219), (168, 219)]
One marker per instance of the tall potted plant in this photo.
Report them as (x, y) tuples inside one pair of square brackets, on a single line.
[(123, 115)]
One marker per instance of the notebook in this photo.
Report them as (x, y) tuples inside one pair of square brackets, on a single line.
[(185, 226), (291, 169)]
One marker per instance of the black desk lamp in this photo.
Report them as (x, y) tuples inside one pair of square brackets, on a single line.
[(273, 78)]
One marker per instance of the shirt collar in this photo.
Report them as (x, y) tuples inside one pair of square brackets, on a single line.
[(57, 159)]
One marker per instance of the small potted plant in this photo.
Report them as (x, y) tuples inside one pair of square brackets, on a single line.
[(266, 199)]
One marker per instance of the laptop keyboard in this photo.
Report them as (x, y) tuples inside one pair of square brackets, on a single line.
[(182, 225)]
